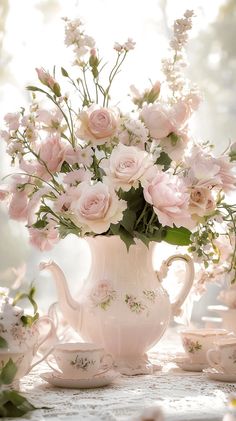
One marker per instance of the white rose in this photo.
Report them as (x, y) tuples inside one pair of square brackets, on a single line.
[(126, 166), (97, 208)]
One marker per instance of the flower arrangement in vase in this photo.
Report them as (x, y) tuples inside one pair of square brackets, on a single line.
[(84, 167)]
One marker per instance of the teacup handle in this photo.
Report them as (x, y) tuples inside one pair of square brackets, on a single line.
[(213, 357), (51, 365), (44, 339), (188, 281), (107, 363)]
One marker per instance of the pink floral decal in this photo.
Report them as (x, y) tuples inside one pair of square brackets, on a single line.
[(135, 305), (103, 295), (191, 346), (150, 295)]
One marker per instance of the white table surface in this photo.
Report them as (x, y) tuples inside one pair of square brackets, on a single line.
[(184, 396)]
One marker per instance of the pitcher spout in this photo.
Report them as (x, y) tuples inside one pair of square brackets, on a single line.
[(70, 308)]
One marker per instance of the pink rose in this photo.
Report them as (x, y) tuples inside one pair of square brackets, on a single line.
[(201, 201), (126, 166), (97, 125), (44, 239), (169, 199), (52, 153), (97, 207), (18, 208), (156, 118)]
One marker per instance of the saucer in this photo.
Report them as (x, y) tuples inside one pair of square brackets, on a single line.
[(220, 376), (184, 362), (98, 381)]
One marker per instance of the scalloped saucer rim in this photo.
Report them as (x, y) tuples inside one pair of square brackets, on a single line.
[(184, 362), (214, 374), (101, 380)]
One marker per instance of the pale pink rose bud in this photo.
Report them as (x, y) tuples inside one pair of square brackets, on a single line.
[(12, 120), (93, 52), (49, 81), (18, 208)]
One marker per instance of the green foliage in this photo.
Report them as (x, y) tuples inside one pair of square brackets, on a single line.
[(164, 160), (65, 230), (3, 343), (28, 320), (173, 138), (13, 405), (178, 236), (128, 221), (64, 72), (8, 372)]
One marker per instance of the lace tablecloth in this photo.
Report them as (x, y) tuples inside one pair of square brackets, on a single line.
[(183, 396)]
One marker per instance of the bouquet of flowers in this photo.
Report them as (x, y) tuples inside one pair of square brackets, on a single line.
[(85, 167)]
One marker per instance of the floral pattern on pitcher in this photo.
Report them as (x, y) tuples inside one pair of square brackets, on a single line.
[(150, 295), (135, 305), (103, 295), (82, 363), (192, 346)]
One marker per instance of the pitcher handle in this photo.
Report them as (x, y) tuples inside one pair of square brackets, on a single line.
[(51, 331), (188, 281)]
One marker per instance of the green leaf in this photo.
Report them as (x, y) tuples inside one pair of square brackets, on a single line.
[(134, 198), (64, 72), (29, 320), (40, 224), (3, 343), (14, 405), (164, 160), (115, 228), (64, 231), (128, 220), (178, 236), (126, 237), (65, 167), (34, 89), (8, 372), (142, 237)]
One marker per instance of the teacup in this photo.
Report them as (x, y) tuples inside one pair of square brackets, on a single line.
[(197, 342), (27, 359), (79, 360), (223, 355)]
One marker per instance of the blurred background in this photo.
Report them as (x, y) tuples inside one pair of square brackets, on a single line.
[(32, 35)]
